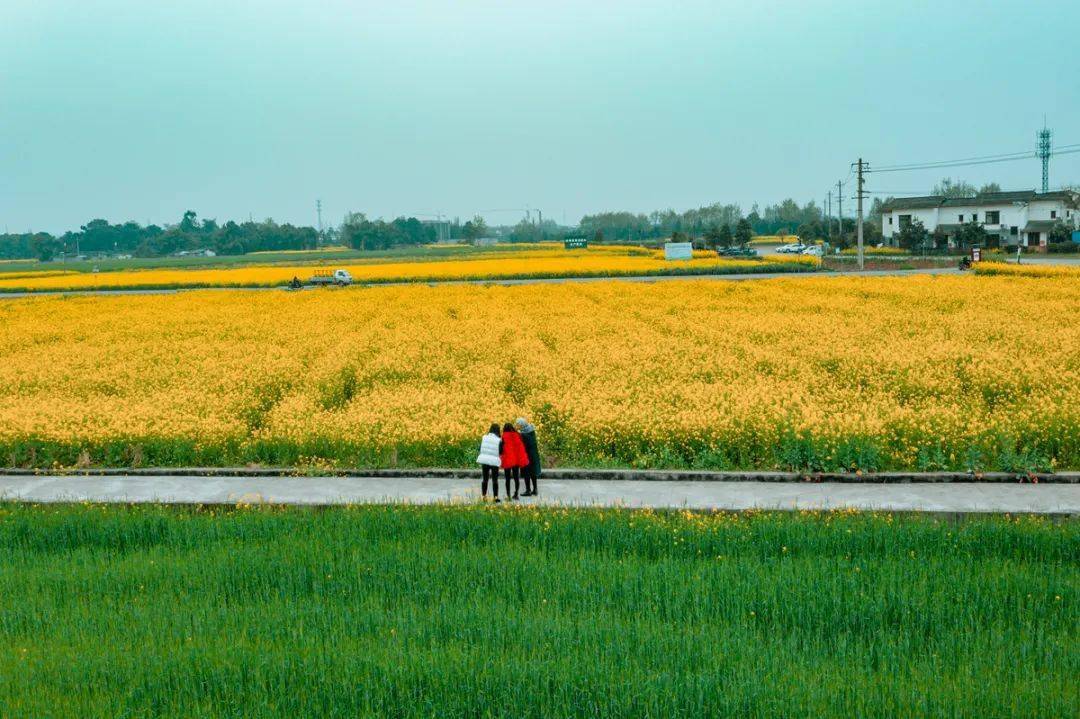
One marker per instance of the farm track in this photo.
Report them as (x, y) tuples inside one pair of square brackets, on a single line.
[(1062, 499), (733, 277)]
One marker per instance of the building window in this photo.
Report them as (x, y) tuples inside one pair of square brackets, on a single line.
[(890, 219), (905, 220), (961, 217), (1014, 230), (975, 217), (993, 217), (1053, 214)]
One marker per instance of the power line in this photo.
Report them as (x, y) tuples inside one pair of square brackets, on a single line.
[(896, 192), (945, 164), (1004, 155)]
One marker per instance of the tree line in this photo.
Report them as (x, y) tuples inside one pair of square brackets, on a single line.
[(718, 224), (99, 237)]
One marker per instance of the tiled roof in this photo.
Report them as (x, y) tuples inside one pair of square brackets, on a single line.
[(1004, 198), (986, 199), (912, 203), (1040, 225)]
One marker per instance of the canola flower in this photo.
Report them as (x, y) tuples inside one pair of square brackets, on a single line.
[(876, 251), (29, 274), (1029, 270), (545, 261), (774, 239), (805, 372)]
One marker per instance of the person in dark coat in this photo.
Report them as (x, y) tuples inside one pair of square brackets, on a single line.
[(532, 471)]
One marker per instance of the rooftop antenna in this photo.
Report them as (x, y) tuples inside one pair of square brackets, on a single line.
[(1044, 155)]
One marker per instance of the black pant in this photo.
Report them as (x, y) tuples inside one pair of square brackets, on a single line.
[(493, 473), (514, 472), (529, 476)]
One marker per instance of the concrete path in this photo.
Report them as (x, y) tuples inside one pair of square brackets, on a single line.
[(930, 497)]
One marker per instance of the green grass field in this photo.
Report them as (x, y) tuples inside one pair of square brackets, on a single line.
[(458, 611)]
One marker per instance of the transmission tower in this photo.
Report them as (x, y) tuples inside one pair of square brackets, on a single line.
[(1044, 155)]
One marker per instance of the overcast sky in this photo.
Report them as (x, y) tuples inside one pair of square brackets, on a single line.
[(141, 109)]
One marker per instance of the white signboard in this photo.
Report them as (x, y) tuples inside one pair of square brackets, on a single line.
[(678, 251)]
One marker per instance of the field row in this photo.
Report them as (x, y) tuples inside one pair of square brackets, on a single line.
[(481, 611), (544, 261), (816, 373)]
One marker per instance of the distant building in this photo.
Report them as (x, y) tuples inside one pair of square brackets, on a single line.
[(1022, 218)]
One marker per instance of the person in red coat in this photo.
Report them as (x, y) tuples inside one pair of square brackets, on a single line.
[(514, 457)]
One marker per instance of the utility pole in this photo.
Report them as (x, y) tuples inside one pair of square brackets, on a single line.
[(318, 211), (828, 214), (827, 218), (840, 210), (859, 194)]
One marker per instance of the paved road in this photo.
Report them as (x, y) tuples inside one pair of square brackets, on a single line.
[(507, 282), (931, 497)]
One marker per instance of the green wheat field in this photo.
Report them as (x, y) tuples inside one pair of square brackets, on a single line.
[(482, 611)]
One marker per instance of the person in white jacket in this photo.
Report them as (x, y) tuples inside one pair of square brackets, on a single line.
[(489, 460)]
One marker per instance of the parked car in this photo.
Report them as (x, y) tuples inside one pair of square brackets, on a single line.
[(737, 252), (814, 250), (326, 277), (794, 248)]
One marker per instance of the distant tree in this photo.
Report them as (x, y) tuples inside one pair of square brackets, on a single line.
[(939, 239), (622, 225), (990, 187), (475, 229), (872, 233), (876, 209), (353, 230), (525, 231), (678, 236), (743, 233), (810, 231), (598, 237), (189, 223), (1060, 232), (950, 188), (44, 246), (725, 238), (971, 234), (712, 234), (913, 236)]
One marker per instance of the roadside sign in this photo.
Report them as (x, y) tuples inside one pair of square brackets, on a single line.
[(678, 251), (976, 254), (575, 243)]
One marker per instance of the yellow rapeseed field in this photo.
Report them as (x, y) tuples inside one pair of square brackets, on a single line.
[(922, 372), (545, 261), (1028, 270)]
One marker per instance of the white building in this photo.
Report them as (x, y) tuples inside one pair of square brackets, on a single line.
[(1011, 218)]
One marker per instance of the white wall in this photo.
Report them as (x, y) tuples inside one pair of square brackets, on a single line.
[(1011, 216)]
